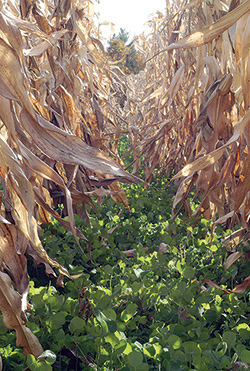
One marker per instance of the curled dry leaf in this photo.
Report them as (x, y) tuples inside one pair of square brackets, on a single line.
[(101, 192), (224, 218), (239, 289), (212, 284), (243, 286), (31, 253), (10, 306), (232, 259), (12, 247)]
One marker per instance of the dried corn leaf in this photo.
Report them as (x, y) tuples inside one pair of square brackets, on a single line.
[(12, 246), (10, 306), (239, 289), (212, 284), (47, 172), (12, 88), (24, 25), (234, 238), (209, 33), (31, 253), (211, 158), (70, 149), (224, 218), (232, 259), (11, 34), (40, 48)]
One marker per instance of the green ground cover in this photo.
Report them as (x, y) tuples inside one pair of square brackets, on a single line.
[(140, 313)]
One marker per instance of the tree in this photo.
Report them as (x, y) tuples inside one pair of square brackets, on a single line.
[(123, 35), (129, 59)]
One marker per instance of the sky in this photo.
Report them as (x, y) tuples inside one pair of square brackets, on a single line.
[(128, 14)]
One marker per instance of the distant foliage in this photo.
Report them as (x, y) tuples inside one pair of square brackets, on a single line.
[(129, 59)]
